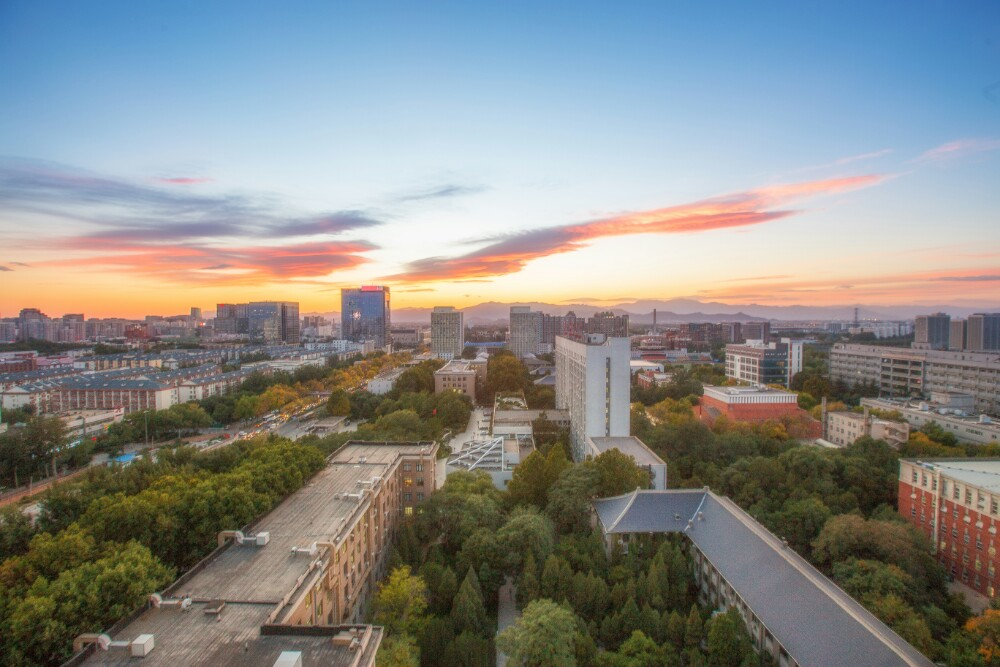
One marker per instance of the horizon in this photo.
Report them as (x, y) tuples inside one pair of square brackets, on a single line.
[(158, 157)]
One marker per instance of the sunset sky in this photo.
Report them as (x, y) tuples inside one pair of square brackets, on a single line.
[(156, 156)]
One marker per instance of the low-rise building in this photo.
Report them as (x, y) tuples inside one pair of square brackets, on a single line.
[(978, 429), (791, 611), (754, 405), (632, 446), (385, 381), (843, 428), (298, 580), (88, 423), (456, 375), (956, 504), (650, 379)]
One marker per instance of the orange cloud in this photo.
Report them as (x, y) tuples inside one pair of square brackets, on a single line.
[(511, 253)]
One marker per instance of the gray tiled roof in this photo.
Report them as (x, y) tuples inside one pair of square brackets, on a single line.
[(813, 619)]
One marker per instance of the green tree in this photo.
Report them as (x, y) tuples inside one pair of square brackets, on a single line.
[(694, 629), (468, 614), (469, 650), (398, 650), (544, 636), (728, 641), (401, 602), (569, 498), (437, 635), (339, 403), (618, 474)]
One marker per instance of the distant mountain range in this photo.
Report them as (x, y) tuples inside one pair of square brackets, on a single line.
[(673, 311)]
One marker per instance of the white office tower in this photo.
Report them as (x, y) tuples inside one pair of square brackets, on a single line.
[(592, 383), (447, 332)]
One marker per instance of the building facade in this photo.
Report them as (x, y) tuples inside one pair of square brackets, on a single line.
[(983, 332), (593, 384), (956, 504), (906, 372), (447, 332), (525, 331), (764, 363), (365, 314), (457, 375), (844, 428), (932, 331)]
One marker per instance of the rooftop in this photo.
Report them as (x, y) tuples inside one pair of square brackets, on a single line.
[(630, 445), (256, 581), (980, 473), (813, 619)]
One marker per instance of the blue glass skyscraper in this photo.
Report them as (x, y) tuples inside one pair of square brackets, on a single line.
[(364, 314)]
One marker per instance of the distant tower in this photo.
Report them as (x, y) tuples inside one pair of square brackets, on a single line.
[(654, 321), (857, 322)]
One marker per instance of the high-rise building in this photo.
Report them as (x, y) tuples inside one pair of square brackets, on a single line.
[(447, 332), (932, 331), (609, 324), (231, 318), (365, 314), (195, 313), (757, 331), (593, 384), (983, 332), (273, 321), (264, 321), (525, 331), (956, 335)]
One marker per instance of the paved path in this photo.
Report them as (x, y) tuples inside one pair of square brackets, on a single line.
[(507, 613)]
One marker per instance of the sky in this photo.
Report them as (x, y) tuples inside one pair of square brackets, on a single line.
[(160, 155)]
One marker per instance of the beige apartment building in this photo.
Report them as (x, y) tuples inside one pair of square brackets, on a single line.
[(298, 580), (844, 428)]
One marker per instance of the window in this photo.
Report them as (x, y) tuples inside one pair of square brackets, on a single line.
[(407, 497), (923, 479), (914, 476), (968, 497), (979, 542), (993, 506), (913, 511), (420, 481), (420, 467), (420, 497), (406, 467), (955, 492)]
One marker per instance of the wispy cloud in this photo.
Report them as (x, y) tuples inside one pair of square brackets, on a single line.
[(115, 207), (512, 252), (851, 159), (21, 264), (954, 150), (441, 192), (5, 268), (178, 236), (184, 180), (986, 278)]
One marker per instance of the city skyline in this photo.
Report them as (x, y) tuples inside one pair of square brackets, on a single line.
[(159, 159)]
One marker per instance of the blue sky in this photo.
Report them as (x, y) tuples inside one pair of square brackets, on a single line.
[(470, 131)]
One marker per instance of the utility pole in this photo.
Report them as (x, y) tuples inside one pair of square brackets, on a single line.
[(145, 419)]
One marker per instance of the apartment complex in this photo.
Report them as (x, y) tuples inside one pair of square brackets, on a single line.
[(956, 503), (760, 363), (983, 332), (299, 580), (447, 332), (457, 375), (904, 373), (792, 612), (932, 331), (593, 384), (365, 314)]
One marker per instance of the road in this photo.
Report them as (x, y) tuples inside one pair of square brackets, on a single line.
[(507, 613), (459, 441)]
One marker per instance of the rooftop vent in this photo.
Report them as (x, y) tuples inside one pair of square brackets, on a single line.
[(311, 550), (159, 602), (289, 659)]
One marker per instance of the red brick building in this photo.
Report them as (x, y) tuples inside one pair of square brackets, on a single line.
[(756, 405), (956, 503)]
